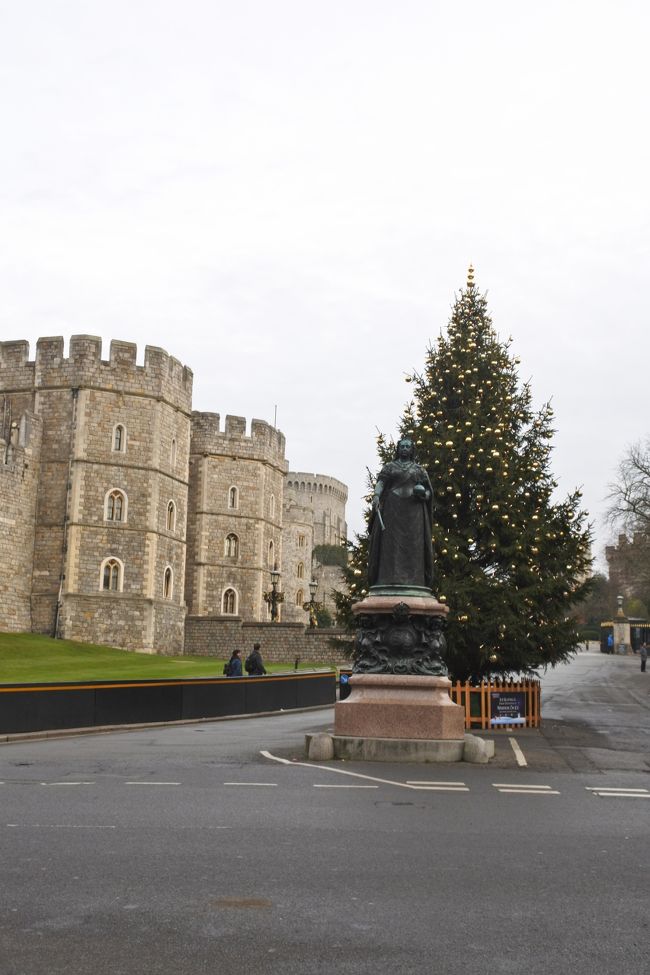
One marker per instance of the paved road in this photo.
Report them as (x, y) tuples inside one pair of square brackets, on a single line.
[(187, 850)]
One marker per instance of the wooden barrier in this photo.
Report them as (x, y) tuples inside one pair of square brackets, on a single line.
[(489, 705)]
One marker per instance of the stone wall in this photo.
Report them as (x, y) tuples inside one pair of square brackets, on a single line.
[(327, 498), (280, 642), (235, 514), (81, 400), (19, 461), (297, 545)]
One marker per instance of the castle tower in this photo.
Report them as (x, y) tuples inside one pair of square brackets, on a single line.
[(314, 510), (235, 516), (20, 446), (327, 498), (109, 548), (297, 549)]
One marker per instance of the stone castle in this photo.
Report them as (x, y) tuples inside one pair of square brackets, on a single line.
[(125, 514)]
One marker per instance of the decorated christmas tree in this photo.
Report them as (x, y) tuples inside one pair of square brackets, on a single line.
[(510, 559)]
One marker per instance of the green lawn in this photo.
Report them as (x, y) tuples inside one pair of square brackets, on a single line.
[(27, 658)]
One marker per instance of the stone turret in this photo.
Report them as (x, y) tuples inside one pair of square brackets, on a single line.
[(235, 521)]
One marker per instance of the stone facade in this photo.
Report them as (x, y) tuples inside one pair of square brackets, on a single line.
[(314, 514), (20, 447), (235, 515), (327, 498), (124, 510)]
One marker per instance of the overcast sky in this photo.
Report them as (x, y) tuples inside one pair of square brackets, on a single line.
[(285, 195)]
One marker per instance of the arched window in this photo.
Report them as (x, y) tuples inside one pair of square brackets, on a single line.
[(272, 506), (232, 546), (171, 516), (301, 570), (111, 576), (115, 505), (172, 453), (119, 438), (301, 541), (271, 558), (168, 583), (233, 497), (229, 603), (300, 597)]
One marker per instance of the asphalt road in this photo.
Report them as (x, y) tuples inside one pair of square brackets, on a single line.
[(187, 850)]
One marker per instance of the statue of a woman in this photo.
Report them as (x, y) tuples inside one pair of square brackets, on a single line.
[(400, 552)]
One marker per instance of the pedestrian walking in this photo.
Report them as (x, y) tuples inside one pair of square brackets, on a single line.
[(643, 653), (254, 664), (233, 667)]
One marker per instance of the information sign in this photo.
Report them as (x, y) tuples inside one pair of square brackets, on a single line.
[(507, 707)]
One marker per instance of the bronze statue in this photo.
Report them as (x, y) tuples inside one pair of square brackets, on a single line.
[(400, 552)]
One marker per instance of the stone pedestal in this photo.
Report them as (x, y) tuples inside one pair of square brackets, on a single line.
[(392, 706), (400, 632)]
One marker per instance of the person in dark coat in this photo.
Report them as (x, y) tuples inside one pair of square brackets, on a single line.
[(254, 664), (234, 665)]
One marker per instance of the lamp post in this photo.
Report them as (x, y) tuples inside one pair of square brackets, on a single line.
[(312, 606), (274, 598)]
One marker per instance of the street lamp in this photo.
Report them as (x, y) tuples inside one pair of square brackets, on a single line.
[(312, 607), (274, 598)]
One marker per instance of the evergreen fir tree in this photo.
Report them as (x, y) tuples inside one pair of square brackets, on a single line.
[(509, 560)]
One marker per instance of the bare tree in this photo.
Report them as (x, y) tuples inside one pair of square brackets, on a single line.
[(629, 496), (630, 493)]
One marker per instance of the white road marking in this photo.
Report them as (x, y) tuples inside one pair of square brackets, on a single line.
[(530, 792), (519, 755), (67, 783), (621, 795), (617, 788), (55, 826), (432, 782), (339, 771), (252, 783), (518, 785), (152, 783), (351, 786), (439, 788)]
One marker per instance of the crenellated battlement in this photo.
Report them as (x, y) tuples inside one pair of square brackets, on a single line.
[(265, 442), (299, 482), (162, 376)]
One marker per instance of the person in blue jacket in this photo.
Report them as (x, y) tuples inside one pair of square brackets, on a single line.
[(233, 667)]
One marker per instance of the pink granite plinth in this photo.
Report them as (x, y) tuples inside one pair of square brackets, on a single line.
[(418, 605), (391, 706)]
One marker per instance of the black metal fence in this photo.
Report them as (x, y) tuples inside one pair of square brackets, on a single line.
[(50, 707)]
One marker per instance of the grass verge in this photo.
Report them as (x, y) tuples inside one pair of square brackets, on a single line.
[(28, 658)]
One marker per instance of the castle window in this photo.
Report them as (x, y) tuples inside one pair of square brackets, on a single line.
[(301, 570), (172, 453), (272, 506), (229, 603), (320, 488), (115, 505), (271, 557), (233, 497), (232, 546), (119, 438), (171, 516), (300, 597), (301, 541), (111, 575), (168, 583)]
